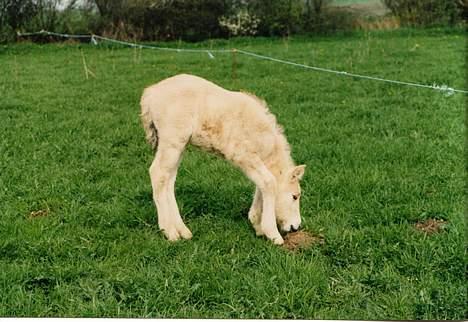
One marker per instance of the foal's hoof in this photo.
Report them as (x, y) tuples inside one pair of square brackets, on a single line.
[(171, 234), (278, 240), (176, 233), (258, 230), (185, 233)]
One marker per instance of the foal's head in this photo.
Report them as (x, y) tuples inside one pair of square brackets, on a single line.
[(288, 215)]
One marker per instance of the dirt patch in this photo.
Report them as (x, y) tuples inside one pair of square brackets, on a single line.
[(39, 213), (302, 240), (431, 226)]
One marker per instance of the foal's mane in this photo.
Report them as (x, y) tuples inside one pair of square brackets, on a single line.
[(284, 145)]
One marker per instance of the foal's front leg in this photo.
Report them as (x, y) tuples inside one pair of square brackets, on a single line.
[(266, 182), (255, 212), (268, 220)]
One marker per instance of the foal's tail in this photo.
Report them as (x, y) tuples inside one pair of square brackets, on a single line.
[(148, 125)]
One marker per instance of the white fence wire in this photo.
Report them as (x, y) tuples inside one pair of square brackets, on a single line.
[(94, 40)]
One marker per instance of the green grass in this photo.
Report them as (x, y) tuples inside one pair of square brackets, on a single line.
[(380, 158)]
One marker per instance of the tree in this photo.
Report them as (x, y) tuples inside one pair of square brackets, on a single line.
[(15, 13)]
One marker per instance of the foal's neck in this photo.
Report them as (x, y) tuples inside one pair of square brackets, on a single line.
[(280, 161)]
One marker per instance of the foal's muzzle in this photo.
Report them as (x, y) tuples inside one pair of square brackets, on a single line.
[(290, 228)]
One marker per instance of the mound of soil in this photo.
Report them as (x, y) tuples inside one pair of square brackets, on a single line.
[(430, 226), (301, 240)]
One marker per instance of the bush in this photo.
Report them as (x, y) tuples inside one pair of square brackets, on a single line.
[(76, 21), (195, 20), (463, 7), (321, 18), (240, 21), (13, 15), (177, 19), (34, 15), (308, 16), (317, 18), (426, 12), (277, 17)]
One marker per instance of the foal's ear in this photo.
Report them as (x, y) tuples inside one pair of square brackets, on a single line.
[(298, 172)]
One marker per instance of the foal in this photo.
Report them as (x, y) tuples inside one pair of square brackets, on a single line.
[(188, 109)]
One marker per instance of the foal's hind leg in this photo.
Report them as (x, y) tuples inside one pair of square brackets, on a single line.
[(163, 172)]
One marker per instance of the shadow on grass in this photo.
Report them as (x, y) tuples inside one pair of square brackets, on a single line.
[(195, 201)]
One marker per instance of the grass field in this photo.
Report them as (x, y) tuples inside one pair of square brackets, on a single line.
[(78, 234)]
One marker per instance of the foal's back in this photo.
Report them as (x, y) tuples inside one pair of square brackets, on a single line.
[(186, 107)]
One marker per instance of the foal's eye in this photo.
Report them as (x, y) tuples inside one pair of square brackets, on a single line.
[(295, 197)]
